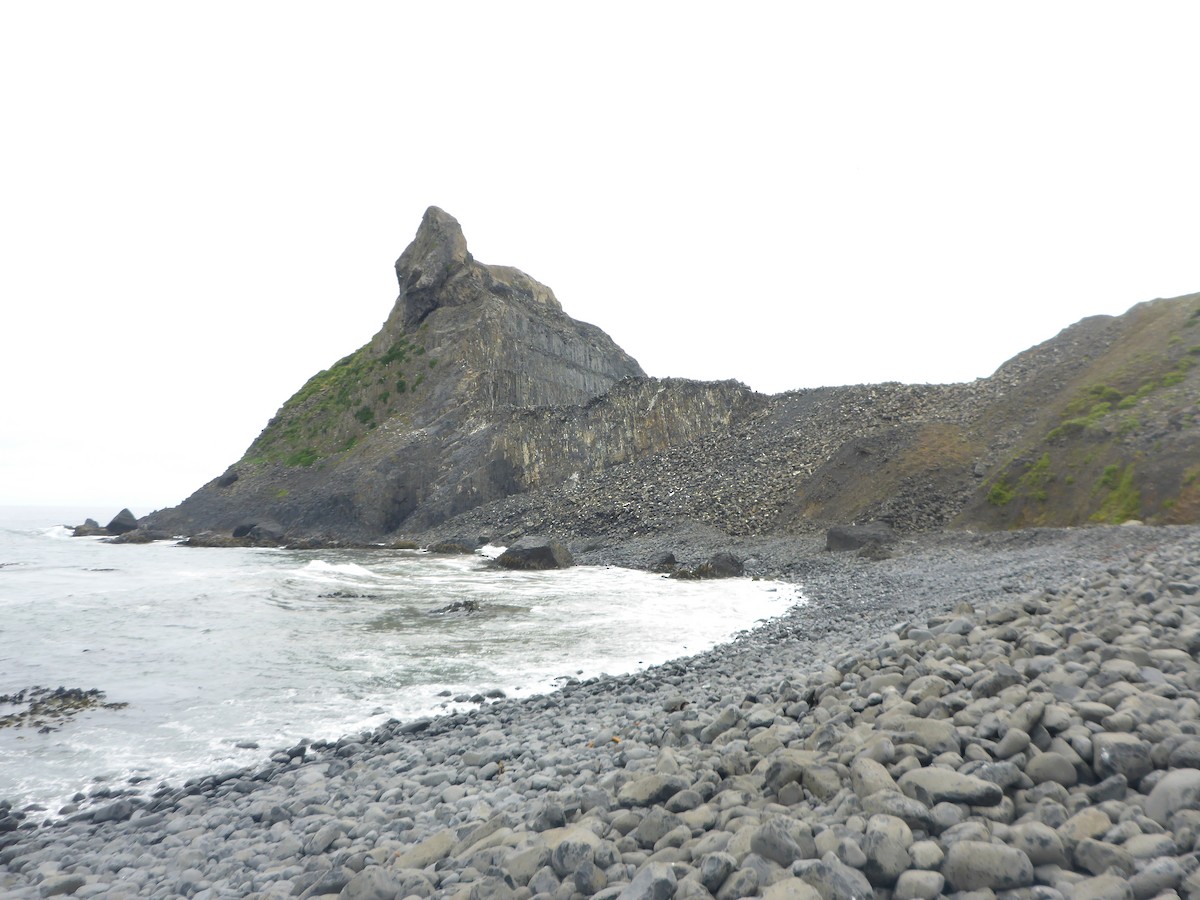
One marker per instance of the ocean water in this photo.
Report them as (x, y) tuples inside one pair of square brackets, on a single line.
[(211, 648)]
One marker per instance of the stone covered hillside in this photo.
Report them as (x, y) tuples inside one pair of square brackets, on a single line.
[(1100, 424)]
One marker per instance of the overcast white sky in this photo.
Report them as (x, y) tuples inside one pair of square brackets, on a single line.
[(200, 204)]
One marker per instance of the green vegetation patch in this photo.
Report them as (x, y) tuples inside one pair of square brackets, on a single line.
[(336, 406), (1122, 500), (1001, 492), (1079, 424), (1033, 482)]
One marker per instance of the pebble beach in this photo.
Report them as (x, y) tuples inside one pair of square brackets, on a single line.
[(1013, 715)]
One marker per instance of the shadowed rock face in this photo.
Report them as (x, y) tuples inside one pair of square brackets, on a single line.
[(477, 386)]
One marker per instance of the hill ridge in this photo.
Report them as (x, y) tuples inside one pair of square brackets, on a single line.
[(481, 405)]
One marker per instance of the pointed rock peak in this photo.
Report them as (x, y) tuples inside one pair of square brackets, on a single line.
[(438, 250), (438, 246)]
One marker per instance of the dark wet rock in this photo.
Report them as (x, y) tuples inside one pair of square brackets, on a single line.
[(50, 708), (662, 562), (141, 535), (90, 528), (720, 565), (122, 522), (459, 606), (536, 553), (451, 548), (841, 538), (265, 530)]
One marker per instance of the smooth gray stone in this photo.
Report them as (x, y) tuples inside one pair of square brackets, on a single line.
[(1040, 843), (742, 883), (725, 720), (1119, 753), (325, 836), (918, 885), (569, 854), (975, 865), (654, 827), (1102, 887), (544, 881), (331, 881), (60, 885), (889, 803), (868, 777), (1177, 790), (886, 844), (772, 841), (1156, 877), (936, 785), (372, 883), (714, 868), (649, 790), (1098, 857), (790, 888), (589, 879), (833, 879), (656, 881), (1051, 767)]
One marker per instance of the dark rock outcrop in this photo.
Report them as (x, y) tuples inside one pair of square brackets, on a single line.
[(857, 537), (261, 530), (536, 553), (477, 386), (122, 522)]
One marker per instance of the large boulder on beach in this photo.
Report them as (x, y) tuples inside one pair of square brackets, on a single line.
[(536, 553), (722, 564), (122, 522)]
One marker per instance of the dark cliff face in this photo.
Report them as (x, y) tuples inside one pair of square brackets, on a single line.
[(481, 406), (478, 385)]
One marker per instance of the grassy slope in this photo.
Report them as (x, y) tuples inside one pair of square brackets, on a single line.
[(1118, 438)]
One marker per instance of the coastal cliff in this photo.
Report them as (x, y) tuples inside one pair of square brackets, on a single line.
[(477, 386), (481, 408)]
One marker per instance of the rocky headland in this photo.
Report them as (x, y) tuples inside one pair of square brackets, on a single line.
[(974, 704), (482, 407)]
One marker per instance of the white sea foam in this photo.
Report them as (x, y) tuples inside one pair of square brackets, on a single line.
[(319, 568), (213, 648), (58, 532)]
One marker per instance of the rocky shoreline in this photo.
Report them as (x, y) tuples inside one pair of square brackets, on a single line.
[(1014, 714)]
